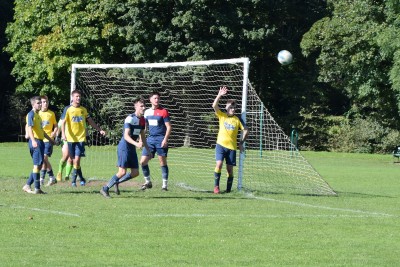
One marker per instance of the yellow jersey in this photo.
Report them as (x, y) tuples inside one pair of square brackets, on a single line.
[(48, 121), (75, 123), (228, 129), (33, 120)]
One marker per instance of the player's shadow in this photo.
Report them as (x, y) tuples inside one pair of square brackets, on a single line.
[(212, 196), (205, 195), (361, 195), (137, 193)]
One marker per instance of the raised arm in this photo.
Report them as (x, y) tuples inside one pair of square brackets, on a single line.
[(222, 91)]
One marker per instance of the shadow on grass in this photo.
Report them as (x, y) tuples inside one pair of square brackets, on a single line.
[(361, 195), (137, 193), (132, 191)]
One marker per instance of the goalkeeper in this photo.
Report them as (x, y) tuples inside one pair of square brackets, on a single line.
[(229, 125), (133, 136)]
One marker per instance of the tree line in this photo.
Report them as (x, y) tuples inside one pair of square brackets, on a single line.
[(341, 93)]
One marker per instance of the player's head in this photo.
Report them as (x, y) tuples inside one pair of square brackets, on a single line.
[(36, 103), (76, 91), (139, 105), (154, 98), (45, 102), (153, 93), (76, 97), (230, 106)]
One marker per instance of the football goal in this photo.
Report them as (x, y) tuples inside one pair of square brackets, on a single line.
[(271, 163)]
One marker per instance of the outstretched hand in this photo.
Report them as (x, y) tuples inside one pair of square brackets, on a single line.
[(223, 90)]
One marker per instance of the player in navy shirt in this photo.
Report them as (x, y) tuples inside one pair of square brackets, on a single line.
[(159, 126), (133, 136)]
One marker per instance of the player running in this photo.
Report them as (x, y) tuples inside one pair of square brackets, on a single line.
[(133, 136)]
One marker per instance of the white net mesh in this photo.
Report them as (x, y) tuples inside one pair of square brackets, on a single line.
[(271, 164)]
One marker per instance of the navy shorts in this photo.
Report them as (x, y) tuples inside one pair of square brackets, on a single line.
[(222, 153), (127, 159), (37, 153), (48, 149), (155, 146), (76, 149)]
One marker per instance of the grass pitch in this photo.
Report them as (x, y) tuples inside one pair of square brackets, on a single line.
[(78, 227)]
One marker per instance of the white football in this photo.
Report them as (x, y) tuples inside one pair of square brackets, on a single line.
[(285, 57)]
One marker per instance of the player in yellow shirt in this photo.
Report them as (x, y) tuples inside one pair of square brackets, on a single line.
[(73, 131), (36, 135), (49, 125), (229, 126)]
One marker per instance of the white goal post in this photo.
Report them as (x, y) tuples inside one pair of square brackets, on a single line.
[(270, 163)]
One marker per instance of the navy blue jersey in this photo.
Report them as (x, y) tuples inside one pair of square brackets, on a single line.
[(136, 125), (156, 119)]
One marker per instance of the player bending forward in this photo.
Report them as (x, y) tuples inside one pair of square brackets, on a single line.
[(133, 136), (229, 125)]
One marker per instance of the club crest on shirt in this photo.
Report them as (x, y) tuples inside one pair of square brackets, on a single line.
[(229, 126), (77, 118)]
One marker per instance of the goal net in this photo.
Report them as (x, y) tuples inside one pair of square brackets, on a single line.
[(271, 163)]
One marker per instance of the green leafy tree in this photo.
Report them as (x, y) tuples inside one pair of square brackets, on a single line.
[(389, 43), (351, 59), (47, 36)]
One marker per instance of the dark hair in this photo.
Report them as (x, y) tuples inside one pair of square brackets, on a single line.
[(138, 99), (154, 92), (231, 102)]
